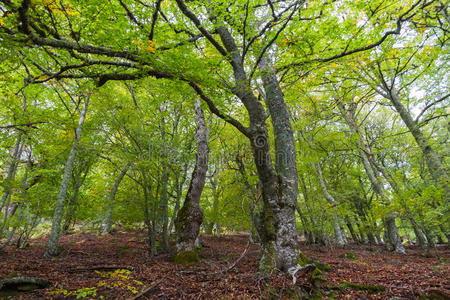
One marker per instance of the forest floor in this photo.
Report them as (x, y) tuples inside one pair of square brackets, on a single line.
[(119, 266)]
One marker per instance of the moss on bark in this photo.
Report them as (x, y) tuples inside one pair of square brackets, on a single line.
[(269, 260)]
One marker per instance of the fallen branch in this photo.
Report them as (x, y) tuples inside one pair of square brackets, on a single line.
[(237, 260), (146, 290), (103, 268)]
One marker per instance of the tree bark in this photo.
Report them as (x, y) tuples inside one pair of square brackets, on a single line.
[(432, 159), (394, 242), (107, 223), (286, 244), (52, 246), (279, 185), (190, 216)]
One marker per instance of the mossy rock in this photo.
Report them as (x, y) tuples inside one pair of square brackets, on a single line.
[(371, 289), (348, 255), (186, 258)]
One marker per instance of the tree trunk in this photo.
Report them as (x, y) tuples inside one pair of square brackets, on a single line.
[(394, 242), (316, 234), (190, 216), (250, 195), (52, 246), (340, 239), (163, 197), (216, 213), (148, 197), (279, 185), (11, 174), (77, 182), (349, 224), (179, 193), (71, 209), (432, 159), (286, 177), (107, 223)]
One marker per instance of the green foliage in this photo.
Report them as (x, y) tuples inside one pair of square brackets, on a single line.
[(119, 278), (83, 293)]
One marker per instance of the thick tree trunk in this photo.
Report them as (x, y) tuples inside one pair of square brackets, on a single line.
[(420, 237), (107, 222), (279, 187), (286, 170), (52, 246), (190, 216), (340, 238), (394, 242)]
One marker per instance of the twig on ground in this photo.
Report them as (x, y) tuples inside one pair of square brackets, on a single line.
[(147, 289)]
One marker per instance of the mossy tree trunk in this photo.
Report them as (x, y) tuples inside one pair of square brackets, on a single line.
[(286, 185), (52, 245), (190, 216), (279, 180)]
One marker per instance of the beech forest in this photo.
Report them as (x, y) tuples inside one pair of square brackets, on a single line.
[(212, 149)]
